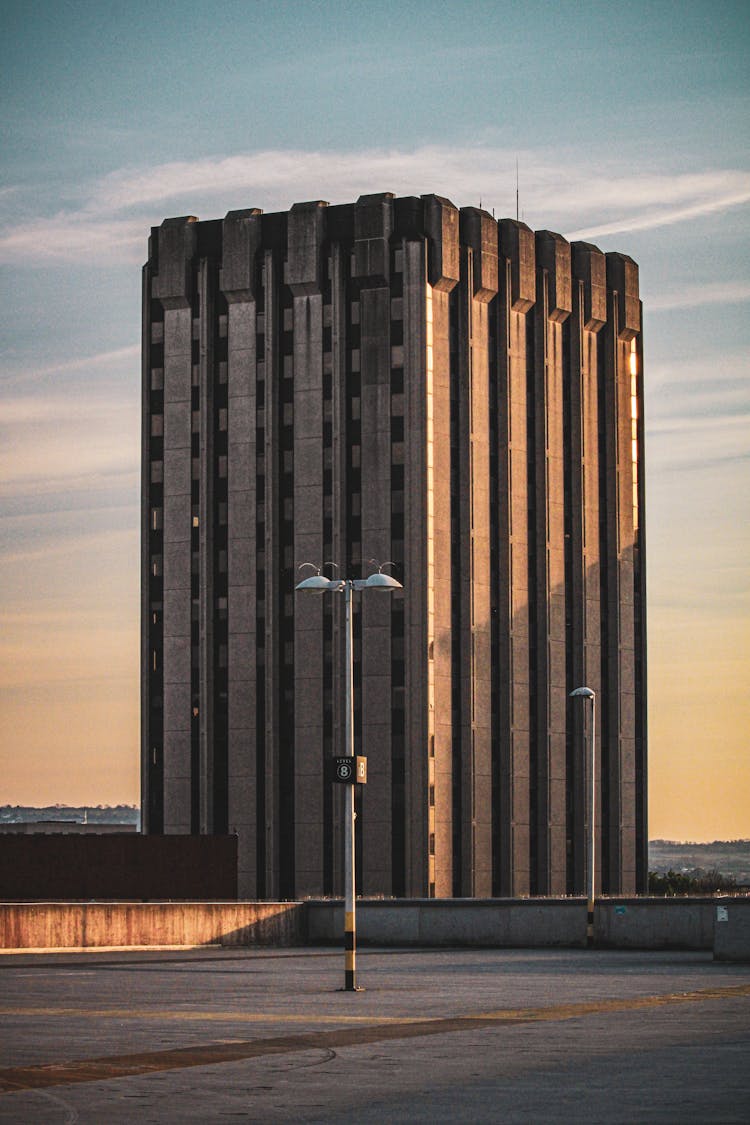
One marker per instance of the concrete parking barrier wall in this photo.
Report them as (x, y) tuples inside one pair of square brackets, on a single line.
[(61, 925), (675, 923), (454, 922), (732, 929), (654, 923), (624, 923)]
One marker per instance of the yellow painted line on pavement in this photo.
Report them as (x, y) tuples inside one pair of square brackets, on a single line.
[(625, 1004), (554, 1012), (373, 1031), (182, 1015)]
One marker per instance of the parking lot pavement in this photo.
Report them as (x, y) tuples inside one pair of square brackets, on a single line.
[(449, 1035)]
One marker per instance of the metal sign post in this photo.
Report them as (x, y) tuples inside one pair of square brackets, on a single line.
[(588, 695), (349, 770), (350, 920)]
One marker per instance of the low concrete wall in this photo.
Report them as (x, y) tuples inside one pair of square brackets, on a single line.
[(623, 923), (61, 925), (654, 923), (675, 923), (454, 922), (732, 929)]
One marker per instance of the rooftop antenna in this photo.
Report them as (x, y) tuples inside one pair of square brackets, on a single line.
[(516, 189)]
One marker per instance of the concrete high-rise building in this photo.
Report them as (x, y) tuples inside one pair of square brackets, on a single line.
[(394, 379)]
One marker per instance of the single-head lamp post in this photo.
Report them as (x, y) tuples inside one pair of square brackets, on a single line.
[(586, 693), (319, 583)]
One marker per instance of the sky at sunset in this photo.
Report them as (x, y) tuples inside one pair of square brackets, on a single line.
[(631, 126)]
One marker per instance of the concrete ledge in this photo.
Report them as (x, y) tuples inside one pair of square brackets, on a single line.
[(454, 922), (628, 923), (622, 923), (732, 929), (61, 925), (654, 923)]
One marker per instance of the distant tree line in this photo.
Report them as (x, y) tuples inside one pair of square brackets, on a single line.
[(735, 845), (695, 882), (95, 814)]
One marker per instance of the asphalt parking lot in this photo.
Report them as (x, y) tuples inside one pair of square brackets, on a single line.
[(449, 1035)]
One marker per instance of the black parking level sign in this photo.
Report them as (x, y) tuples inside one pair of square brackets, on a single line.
[(349, 771), (345, 770)]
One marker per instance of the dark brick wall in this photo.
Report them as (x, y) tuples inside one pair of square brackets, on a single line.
[(120, 866)]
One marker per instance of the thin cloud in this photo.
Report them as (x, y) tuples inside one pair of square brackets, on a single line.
[(683, 424), (111, 224), (114, 357), (693, 296), (99, 478), (72, 237), (696, 444), (684, 372), (24, 409), (52, 444), (654, 219), (465, 171), (702, 393), (118, 543)]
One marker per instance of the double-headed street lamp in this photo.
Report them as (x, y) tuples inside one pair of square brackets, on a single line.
[(320, 584), (586, 693)]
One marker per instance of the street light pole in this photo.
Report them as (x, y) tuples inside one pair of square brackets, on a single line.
[(320, 584), (587, 693), (350, 927)]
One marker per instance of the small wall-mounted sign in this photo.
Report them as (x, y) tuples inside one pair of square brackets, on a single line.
[(348, 771), (722, 914)]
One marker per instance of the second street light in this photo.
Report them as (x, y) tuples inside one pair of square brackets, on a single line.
[(587, 694), (349, 773)]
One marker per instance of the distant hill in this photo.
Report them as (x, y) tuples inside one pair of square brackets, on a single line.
[(730, 857), (91, 814)]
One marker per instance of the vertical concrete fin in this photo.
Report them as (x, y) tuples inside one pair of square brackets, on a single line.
[(479, 232), (176, 249), (553, 255), (583, 574), (373, 227), (305, 234), (590, 267), (241, 236), (441, 228), (206, 290), (622, 278), (150, 812), (517, 245)]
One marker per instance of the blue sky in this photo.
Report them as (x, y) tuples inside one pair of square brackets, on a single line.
[(630, 124)]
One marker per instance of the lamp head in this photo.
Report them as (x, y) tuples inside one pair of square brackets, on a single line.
[(318, 583), (583, 693), (381, 581)]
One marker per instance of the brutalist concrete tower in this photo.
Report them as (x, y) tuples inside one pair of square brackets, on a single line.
[(394, 379)]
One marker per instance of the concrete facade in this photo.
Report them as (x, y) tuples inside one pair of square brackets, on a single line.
[(398, 380)]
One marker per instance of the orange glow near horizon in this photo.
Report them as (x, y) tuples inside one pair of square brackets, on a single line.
[(70, 727)]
